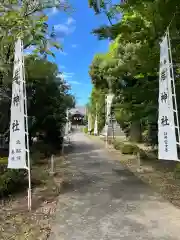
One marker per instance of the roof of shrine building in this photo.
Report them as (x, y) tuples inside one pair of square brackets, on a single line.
[(78, 110)]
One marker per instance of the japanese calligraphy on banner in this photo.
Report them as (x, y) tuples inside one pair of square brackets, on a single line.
[(17, 146), (166, 126)]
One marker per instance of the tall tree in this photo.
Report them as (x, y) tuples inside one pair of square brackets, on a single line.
[(48, 99), (28, 21), (132, 62)]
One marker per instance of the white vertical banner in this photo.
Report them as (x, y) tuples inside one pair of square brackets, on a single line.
[(17, 146), (167, 142), (109, 99), (67, 123), (69, 126), (89, 122), (66, 129), (96, 125)]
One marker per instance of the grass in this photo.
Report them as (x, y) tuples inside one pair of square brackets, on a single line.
[(16, 222)]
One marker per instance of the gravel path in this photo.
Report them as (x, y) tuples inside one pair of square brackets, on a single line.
[(104, 201)]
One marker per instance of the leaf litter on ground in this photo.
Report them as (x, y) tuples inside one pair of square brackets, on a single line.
[(16, 222)]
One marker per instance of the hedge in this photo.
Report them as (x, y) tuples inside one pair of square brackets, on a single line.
[(10, 179), (117, 145), (125, 148), (85, 130), (129, 149)]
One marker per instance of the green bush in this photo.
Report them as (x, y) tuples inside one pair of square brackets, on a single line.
[(85, 130), (117, 144), (36, 156), (11, 179), (125, 148), (129, 149), (40, 150)]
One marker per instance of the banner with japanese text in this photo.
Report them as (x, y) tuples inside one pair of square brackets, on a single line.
[(166, 126), (89, 122), (69, 126), (17, 144), (109, 100), (96, 126), (67, 123), (66, 128)]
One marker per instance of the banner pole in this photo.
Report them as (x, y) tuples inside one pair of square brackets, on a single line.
[(27, 137), (106, 122), (174, 88), (29, 189)]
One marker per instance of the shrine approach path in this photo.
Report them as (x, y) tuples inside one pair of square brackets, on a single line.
[(104, 201)]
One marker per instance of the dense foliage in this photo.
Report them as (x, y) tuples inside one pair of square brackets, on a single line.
[(47, 94), (130, 67), (48, 99), (27, 20), (45, 89)]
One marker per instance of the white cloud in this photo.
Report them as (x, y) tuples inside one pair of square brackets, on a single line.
[(63, 53), (74, 82), (74, 45), (70, 21), (53, 11), (59, 75), (66, 28), (62, 28), (66, 75)]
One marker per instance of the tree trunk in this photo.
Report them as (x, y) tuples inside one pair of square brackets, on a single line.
[(135, 132)]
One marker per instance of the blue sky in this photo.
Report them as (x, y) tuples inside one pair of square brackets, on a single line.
[(79, 45)]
